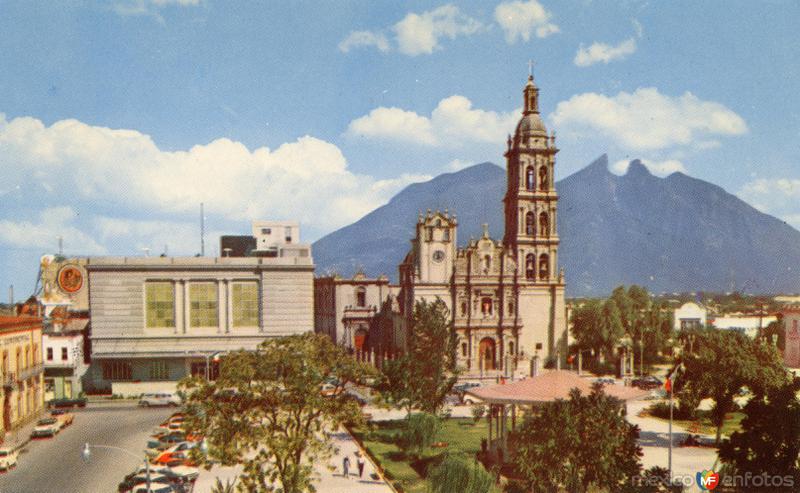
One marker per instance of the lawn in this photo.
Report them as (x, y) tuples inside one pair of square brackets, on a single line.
[(462, 436), (703, 425)]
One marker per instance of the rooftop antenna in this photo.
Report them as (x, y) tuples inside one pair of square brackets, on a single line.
[(530, 68), (60, 246), (11, 295), (146, 251), (202, 231)]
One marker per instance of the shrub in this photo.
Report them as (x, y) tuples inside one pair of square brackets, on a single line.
[(661, 410), (458, 474), (478, 411), (419, 433)]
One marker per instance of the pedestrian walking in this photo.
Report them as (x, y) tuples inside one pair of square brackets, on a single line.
[(346, 467), (360, 463)]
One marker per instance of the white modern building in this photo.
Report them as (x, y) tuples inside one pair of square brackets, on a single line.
[(157, 319)]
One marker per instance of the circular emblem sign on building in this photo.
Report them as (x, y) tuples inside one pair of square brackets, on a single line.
[(70, 279)]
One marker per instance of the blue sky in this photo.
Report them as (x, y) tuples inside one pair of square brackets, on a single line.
[(117, 118)]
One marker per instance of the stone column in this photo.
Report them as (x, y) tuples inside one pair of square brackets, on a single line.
[(187, 321)]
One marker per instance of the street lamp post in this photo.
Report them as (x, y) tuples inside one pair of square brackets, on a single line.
[(86, 453)]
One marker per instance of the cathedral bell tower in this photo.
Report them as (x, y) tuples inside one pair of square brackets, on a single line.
[(531, 199)]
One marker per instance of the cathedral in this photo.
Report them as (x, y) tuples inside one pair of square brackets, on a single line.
[(506, 298)]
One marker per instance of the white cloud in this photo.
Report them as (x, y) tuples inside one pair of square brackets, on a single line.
[(419, 34), (520, 20), (777, 196), (359, 39), (453, 123), (658, 168), (149, 7), (601, 52), (306, 180), (43, 234), (393, 124), (647, 119)]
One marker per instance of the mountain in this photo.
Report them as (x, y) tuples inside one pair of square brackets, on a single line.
[(672, 234)]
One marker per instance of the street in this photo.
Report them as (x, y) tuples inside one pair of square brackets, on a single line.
[(55, 465)]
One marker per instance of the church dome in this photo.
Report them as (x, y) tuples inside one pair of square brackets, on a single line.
[(531, 124)]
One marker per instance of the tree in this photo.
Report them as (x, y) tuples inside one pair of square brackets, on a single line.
[(598, 326), (576, 444), (424, 375), (769, 441), (419, 433), (722, 363), (266, 410), (458, 474)]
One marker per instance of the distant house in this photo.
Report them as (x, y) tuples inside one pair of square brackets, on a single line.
[(791, 324), (690, 316)]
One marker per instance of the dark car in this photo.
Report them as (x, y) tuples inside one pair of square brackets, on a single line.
[(648, 382), (79, 402)]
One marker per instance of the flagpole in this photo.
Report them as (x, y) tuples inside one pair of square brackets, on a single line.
[(669, 460)]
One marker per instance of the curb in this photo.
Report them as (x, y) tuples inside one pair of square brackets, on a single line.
[(372, 460)]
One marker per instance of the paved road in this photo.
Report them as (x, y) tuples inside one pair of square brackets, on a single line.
[(55, 465)]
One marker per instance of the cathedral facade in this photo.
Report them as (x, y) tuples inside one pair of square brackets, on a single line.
[(506, 298)]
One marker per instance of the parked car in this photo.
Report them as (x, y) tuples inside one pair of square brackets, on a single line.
[(46, 427), (63, 416), (158, 488), (161, 399), (59, 403), (164, 457), (180, 459), (139, 477), (8, 458), (648, 382), (606, 381)]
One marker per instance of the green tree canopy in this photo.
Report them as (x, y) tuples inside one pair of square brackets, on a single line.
[(266, 410), (423, 376), (723, 362), (769, 440), (576, 444)]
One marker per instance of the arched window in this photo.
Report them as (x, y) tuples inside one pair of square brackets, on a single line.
[(530, 224), (463, 308), (530, 179), (530, 266), (544, 224), (511, 308), (510, 347), (486, 305), (361, 297), (464, 349), (487, 263), (544, 184), (544, 267)]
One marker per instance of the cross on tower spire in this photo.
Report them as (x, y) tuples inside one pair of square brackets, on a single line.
[(530, 68)]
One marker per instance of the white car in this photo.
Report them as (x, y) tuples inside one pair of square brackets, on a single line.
[(161, 399), (8, 458), (46, 427)]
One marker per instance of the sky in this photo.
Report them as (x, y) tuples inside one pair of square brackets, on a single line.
[(119, 117)]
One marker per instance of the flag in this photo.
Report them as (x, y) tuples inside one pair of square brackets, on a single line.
[(670, 381), (668, 384), (571, 358)]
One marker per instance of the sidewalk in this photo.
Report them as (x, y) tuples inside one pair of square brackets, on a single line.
[(329, 472), (20, 437)]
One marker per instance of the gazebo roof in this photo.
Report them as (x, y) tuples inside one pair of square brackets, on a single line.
[(549, 386)]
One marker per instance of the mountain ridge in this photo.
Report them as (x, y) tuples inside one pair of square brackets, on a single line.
[(676, 233)]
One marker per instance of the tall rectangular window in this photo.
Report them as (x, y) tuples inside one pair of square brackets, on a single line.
[(245, 304), (203, 304), (49, 354), (117, 370), (158, 370), (64, 354), (160, 304)]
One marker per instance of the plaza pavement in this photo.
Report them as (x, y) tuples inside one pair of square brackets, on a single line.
[(330, 480), (654, 440)]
